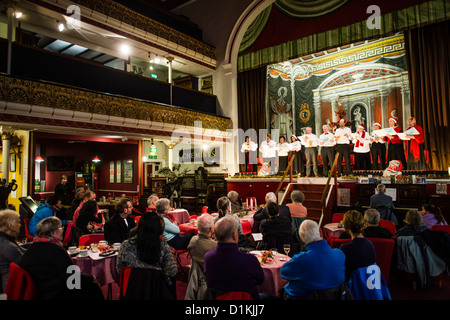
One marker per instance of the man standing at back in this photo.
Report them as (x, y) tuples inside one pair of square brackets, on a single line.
[(226, 268), (318, 268)]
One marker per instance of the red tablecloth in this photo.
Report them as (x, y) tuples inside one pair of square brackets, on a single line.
[(188, 228), (180, 215)]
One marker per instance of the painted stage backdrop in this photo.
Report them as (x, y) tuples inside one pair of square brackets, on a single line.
[(364, 82)]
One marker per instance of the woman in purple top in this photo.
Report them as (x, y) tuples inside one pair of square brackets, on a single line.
[(432, 215), (228, 269)]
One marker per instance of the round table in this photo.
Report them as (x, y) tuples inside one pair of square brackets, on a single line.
[(332, 229)]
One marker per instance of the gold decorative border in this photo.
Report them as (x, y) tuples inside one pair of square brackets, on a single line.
[(54, 96)]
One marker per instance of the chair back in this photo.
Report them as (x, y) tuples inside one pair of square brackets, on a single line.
[(26, 221), (136, 219), (193, 217), (123, 282), (388, 224), (20, 285), (441, 228), (88, 239), (146, 284), (235, 295), (336, 243), (341, 292), (384, 249), (337, 217), (205, 209), (367, 283)]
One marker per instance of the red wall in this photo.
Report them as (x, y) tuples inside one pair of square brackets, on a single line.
[(86, 148)]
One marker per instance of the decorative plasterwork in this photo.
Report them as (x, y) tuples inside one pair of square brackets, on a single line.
[(49, 100)]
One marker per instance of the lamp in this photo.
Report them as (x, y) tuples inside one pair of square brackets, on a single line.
[(61, 26), (39, 159), (96, 159)]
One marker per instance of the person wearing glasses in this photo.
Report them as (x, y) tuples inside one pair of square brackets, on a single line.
[(118, 227), (51, 267)]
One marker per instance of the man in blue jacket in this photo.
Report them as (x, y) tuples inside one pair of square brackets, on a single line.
[(318, 268), (45, 210)]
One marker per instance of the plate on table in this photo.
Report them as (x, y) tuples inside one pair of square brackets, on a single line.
[(256, 252)]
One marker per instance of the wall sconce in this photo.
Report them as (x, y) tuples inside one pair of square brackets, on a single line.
[(17, 14), (39, 159), (60, 26), (96, 159)]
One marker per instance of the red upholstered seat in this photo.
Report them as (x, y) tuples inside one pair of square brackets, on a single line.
[(20, 285), (235, 295), (337, 217), (124, 276), (26, 221), (205, 209), (388, 225), (384, 249), (88, 239), (441, 228)]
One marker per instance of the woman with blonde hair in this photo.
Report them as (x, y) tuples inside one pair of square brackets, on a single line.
[(360, 252)]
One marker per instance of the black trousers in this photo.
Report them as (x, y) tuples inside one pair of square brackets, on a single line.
[(327, 159), (344, 152), (362, 161), (378, 153), (396, 151)]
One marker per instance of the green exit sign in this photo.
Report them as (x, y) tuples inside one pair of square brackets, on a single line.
[(154, 76)]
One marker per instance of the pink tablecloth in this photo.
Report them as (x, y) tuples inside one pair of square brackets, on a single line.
[(331, 229), (273, 282), (180, 215), (103, 269)]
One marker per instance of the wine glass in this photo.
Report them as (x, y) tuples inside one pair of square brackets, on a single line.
[(274, 253), (287, 248)]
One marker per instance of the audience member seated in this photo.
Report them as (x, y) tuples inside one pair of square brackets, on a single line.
[(360, 252), (148, 250), (50, 266), (226, 267), (296, 208), (261, 214), (319, 267), (414, 254), (10, 251), (276, 230), (384, 204), (79, 195), (432, 215), (118, 227), (89, 220), (171, 230), (88, 195), (211, 198), (198, 246), (372, 228), (151, 202), (45, 210), (236, 205)]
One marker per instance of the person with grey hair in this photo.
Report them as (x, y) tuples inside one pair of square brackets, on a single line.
[(227, 268), (151, 202), (236, 206), (203, 241), (297, 208), (372, 228), (318, 268), (384, 204), (311, 144), (50, 267), (171, 232), (10, 251), (262, 214)]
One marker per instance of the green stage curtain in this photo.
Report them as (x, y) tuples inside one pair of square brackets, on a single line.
[(428, 51)]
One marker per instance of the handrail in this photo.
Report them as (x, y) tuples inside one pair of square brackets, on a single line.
[(284, 175), (327, 186)]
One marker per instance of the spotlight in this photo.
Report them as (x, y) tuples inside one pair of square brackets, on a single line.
[(125, 49), (61, 26), (18, 14)]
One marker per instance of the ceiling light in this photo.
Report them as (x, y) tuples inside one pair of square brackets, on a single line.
[(61, 26), (18, 14), (39, 159), (125, 49), (157, 59), (96, 159)]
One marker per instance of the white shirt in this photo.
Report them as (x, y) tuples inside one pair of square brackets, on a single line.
[(295, 146), (341, 132), (310, 140), (249, 146), (381, 140), (283, 149), (268, 150), (327, 140), (364, 143)]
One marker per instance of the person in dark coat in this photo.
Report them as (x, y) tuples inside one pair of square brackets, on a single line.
[(262, 214), (117, 229), (384, 204), (276, 230), (64, 191)]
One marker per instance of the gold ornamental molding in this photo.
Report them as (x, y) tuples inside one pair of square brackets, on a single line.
[(48, 95)]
